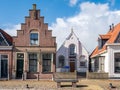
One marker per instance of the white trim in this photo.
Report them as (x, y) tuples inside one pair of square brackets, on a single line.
[(99, 54), (51, 62), (113, 44), (5, 47)]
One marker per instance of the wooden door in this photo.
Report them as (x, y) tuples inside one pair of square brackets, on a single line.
[(19, 68), (4, 68), (72, 66)]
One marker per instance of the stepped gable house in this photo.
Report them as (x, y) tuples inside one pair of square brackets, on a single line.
[(31, 54), (106, 56)]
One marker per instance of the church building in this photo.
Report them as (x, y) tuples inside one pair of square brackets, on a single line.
[(72, 55)]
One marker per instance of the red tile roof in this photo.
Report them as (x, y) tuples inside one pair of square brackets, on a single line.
[(105, 36), (111, 36)]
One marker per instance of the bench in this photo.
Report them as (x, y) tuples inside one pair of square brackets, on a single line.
[(65, 77)]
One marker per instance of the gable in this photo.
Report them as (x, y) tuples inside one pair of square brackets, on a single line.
[(72, 37), (34, 32), (113, 36), (3, 42)]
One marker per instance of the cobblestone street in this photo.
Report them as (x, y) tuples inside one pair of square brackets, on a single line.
[(83, 84)]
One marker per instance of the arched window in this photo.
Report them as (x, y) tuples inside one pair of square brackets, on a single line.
[(34, 38), (61, 61), (72, 49)]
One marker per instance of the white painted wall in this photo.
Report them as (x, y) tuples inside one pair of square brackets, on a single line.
[(111, 50), (79, 50)]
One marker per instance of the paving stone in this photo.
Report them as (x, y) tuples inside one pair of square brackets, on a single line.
[(83, 84)]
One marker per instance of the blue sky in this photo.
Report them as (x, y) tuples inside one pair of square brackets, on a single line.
[(88, 18), (14, 11)]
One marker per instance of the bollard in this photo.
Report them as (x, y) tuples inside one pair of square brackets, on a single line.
[(110, 85), (27, 86)]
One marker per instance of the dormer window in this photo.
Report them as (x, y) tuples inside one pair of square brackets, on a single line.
[(101, 42), (118, 38), (34, 38)]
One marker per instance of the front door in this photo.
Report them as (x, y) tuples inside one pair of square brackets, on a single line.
[(4, 68), (19, 68), (72, 66)]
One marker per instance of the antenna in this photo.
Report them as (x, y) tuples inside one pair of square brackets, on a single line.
[(72, 30)]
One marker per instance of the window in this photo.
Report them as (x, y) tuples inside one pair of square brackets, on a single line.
[(82, 64), (32, 62), (101, 42), (34, 38), (20, 56), (72, 49), (96, 63), (101, 63), (118, 39), (4, 57), (3, 42), (61, 61), (46, 63), (117, 63)]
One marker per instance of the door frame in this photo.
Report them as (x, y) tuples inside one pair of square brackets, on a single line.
[(73, 64), (17, 68), (16, 59)]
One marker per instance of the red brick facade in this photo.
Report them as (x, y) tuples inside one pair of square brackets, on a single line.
[(34, 49)]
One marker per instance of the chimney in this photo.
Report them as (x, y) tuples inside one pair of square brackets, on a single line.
[(34, 6), (110, 27)]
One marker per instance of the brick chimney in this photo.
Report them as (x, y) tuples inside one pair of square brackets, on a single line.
[(34, 6)]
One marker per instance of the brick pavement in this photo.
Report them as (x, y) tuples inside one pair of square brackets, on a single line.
[(83, 84)]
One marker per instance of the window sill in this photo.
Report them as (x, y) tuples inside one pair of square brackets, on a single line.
[(34, 45), (47, 72)]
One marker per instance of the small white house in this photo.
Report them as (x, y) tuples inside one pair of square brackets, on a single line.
[(106, 56), (72, 55)]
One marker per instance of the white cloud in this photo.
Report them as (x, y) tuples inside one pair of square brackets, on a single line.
[(92, 20), (12, 29), (73, 2)]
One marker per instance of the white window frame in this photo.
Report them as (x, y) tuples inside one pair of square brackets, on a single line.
[(30, 38)]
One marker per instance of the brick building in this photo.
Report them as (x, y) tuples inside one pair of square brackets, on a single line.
[(33, 49), (5, 55)]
